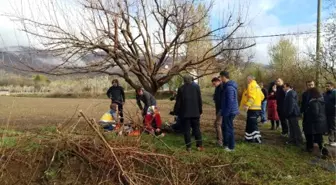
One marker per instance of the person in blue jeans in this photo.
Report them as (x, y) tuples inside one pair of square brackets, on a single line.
[(229, 110), (263, 104)]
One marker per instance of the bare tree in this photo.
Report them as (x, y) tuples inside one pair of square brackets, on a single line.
[(131, 37)]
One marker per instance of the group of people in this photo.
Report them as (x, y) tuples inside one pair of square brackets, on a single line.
[(278, 104)]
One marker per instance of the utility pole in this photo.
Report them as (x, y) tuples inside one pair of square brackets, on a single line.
[(318, 40)]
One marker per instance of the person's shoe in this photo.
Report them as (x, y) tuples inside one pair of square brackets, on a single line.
[(284, 135), (200, 148), (333, 144), (228, 149), (189, 150)]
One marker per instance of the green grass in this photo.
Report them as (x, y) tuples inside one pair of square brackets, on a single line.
[(254, 163), (7, 142)]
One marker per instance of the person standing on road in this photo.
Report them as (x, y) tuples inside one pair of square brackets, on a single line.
[(263, 104), (229, 110), (117, 95), (217, 99), (291, 113), (316, 122), (330, 99), (251, 103), (305, 99), (149, 111), (188, 107), (280, 98)]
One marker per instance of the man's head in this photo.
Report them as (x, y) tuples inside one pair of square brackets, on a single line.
[(187, 79), (215, 82), (330, 86), (250, 78), (287, 86), (139, 91), (279, 82), (225, 76), (114, 106), (310, 84), (115, 82), (261, 85)]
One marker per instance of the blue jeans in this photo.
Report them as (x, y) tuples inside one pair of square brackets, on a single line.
[(263, 111), (228, 131)]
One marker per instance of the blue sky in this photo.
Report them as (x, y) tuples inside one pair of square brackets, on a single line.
[(295, 11)]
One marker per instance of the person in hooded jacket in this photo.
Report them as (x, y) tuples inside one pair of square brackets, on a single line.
[(229, 110), (316, 123)]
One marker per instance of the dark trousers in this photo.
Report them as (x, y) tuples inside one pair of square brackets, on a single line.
[(228, 131), (120, 109), (252, 133), (331, 120), (273, 124), (295, 134), (283, 121), (194, 124), (314, 138)]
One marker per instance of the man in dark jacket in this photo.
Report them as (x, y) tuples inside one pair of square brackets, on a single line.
[(306, 98), (263, 104), (117, 95), (149, 110), (217, 99), (330, 100), (292, 112), (229, 109), (188, 107), (280, 98)]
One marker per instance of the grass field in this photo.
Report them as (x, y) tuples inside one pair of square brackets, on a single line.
[(269, 163)]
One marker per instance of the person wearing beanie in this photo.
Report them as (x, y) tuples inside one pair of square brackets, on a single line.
[(188, 107)]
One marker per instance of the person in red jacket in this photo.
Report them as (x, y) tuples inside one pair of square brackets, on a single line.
[(272, 110)]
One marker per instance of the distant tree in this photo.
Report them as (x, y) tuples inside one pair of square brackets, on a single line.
[(283, 56)]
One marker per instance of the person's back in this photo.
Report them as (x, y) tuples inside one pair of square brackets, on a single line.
[(291, 106), (191, 104), (330, 100), (316, 117)]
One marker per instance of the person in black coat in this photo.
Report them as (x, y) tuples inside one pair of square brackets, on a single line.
[(117, 95), (316, 122), (280, 98), (188, 107), (291, 112), (306, 98), (330, 99)]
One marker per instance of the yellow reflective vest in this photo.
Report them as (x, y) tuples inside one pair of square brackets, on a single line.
[(252, 97)]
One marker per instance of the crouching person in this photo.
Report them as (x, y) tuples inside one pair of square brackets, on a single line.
[(109, 119), (188, 108), (150, 112)]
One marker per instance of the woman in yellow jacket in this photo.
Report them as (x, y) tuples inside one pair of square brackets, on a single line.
[(251, 103)]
